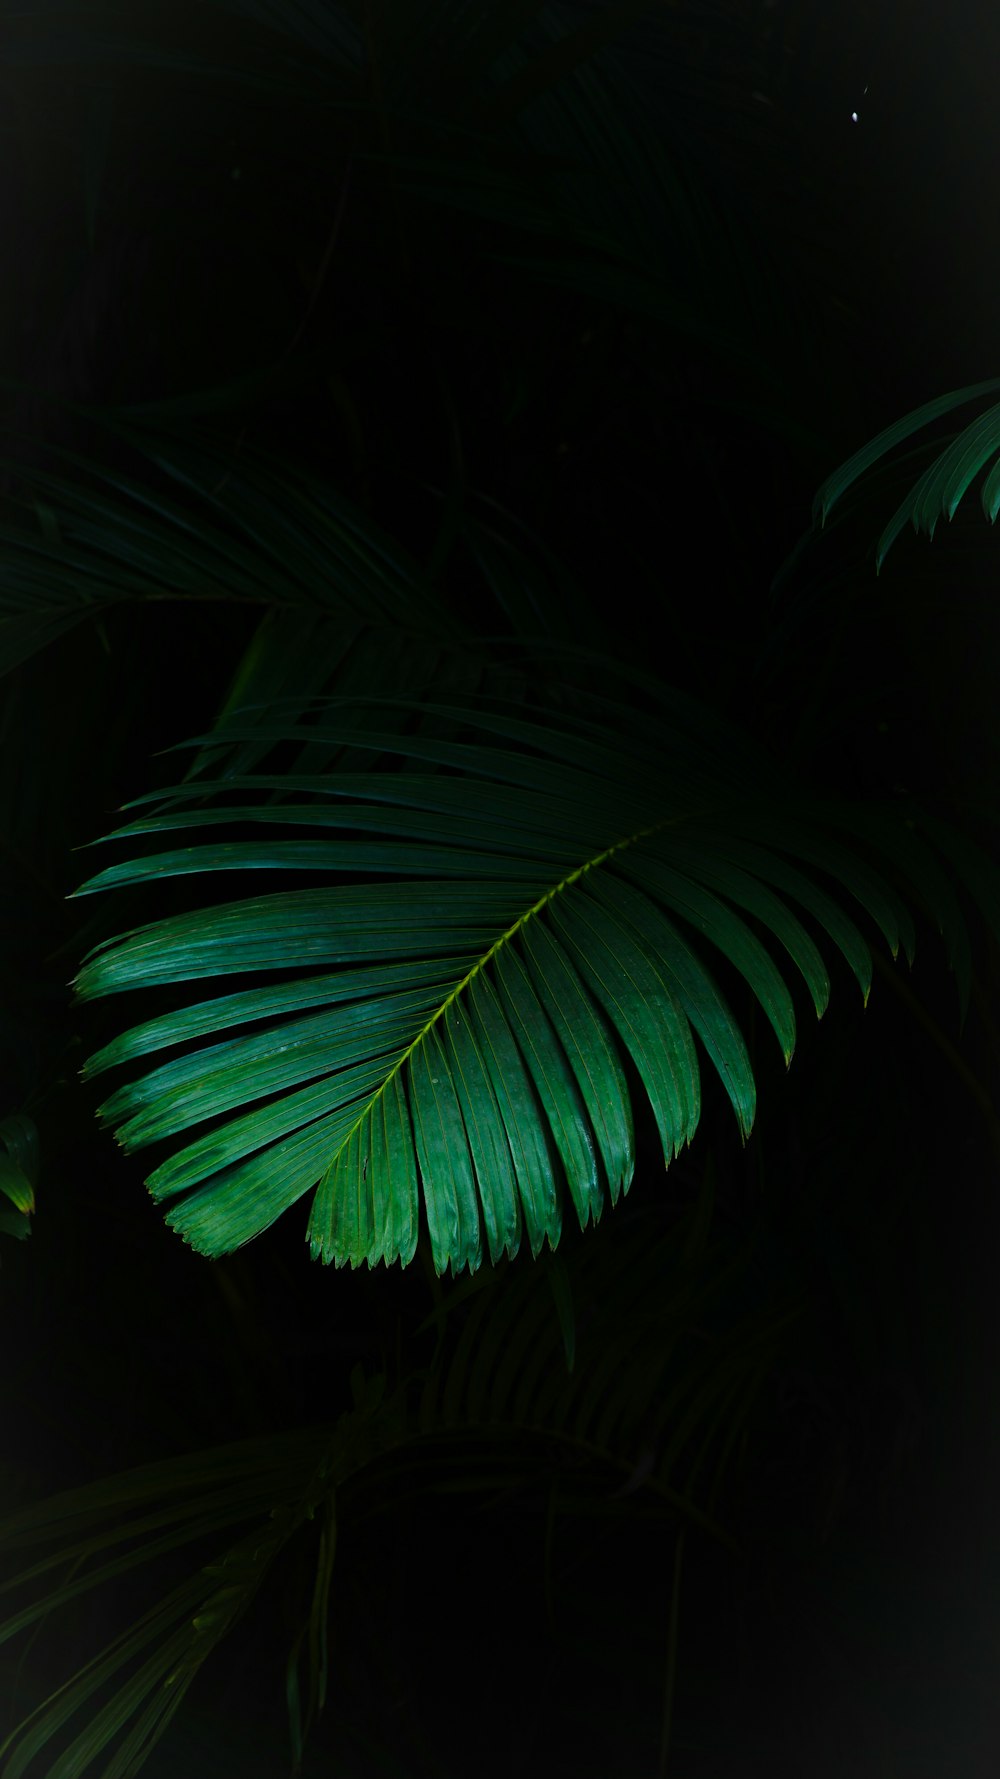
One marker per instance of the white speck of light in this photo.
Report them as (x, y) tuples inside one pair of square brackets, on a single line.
[(854, 117)]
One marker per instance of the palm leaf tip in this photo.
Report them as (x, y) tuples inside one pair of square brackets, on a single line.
[(939, 491)]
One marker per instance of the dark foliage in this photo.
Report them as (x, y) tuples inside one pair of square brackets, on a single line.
[(383, 350)]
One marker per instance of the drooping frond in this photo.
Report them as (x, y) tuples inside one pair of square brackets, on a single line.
[(89, 1538), (631, 1372)]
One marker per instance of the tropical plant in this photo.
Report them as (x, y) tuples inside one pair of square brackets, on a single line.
[(516, 922), (526, 885)]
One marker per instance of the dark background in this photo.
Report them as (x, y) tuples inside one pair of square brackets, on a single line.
[(857, 1630)]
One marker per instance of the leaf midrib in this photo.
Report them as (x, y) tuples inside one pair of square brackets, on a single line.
[(505, 938)]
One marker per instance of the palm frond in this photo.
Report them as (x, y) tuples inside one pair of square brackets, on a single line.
[(939, 491), (660, 1388), (524, 910), (252, 532), (664, 1371)]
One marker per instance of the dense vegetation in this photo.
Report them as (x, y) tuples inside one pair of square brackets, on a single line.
[(412, 415)]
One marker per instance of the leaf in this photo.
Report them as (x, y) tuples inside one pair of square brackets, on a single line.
[(583, 1363), (659, 1373), (837, 484), (533, 899), (939, 491), (279, 1483)]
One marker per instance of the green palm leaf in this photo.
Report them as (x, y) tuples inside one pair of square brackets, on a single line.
[(938, 493), (525, 907)]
